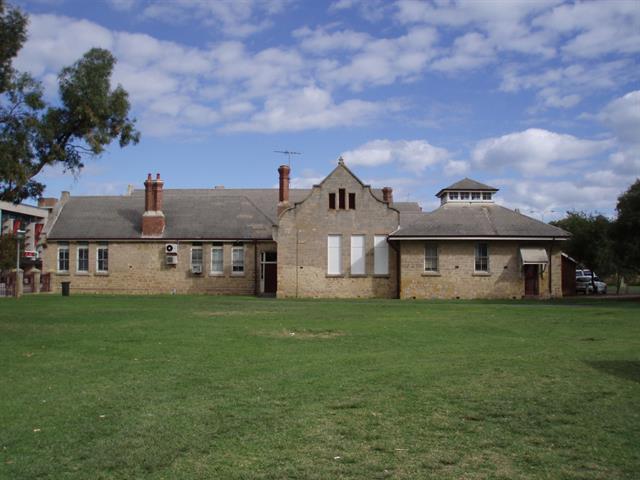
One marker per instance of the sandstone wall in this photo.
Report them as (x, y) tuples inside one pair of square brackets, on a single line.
[(456, 277), (140, 268), (302, 243)]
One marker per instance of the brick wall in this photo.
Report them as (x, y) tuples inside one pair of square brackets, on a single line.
[(139, 268), (456, 277), (302, 242)]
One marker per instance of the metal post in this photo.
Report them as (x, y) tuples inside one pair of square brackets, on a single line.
[(18, 282)]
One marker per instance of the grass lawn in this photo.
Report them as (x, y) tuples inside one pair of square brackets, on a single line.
[(241, 388)]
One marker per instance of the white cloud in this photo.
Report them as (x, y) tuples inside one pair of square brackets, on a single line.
[(412, 155), (535, 152), (234, 18), (622, 115), (370, 10), (122, 5), (384, 61), (504, 23), (320, 40), (307, 108), (469, 51), (566, 86), (595, 28)]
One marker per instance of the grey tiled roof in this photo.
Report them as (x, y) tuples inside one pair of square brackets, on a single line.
[(187, 216), (468, 184), (476, 220), (232, 213)]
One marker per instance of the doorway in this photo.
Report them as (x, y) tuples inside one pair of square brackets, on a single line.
[(268, 273), (531, 280)]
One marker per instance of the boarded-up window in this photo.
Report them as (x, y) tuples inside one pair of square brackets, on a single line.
[(357, 255), (352, 201), (334, 254), (380, 255), (341, 198)]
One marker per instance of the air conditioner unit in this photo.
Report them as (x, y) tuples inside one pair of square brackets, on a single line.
[(171, 259), (171, 248), (196, 268)]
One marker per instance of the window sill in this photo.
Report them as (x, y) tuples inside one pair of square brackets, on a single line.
[(63, 273), (216, 274), (238, 274), (381, 275), (334, 275), (102, 274), (481, 274), (431, 274), (82, 274), (358, 275)]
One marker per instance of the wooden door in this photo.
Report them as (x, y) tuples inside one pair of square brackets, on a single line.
[(270, 278), (531, 286)]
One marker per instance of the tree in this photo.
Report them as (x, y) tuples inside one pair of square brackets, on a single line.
[(625, 231), (7, 252), (590, 240), (33, 135)]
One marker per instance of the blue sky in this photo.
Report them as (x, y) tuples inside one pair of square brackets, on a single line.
[(538, 98)]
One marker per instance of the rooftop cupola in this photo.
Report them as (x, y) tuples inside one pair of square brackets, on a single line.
[(467, 191)]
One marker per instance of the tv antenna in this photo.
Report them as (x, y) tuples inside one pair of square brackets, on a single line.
[(288, 154)]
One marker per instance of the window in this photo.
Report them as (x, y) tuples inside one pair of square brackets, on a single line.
[(341, 198), (357, 255), (102, 258), (453, 195), (464, 195), (486, 196), (332, 201), (475, 195), (63, 258), (431, 257), (82, 258), (237, 260), (334, 254), (196, 255), (352, 201), (380, 255), (482, 257), (217, 263)]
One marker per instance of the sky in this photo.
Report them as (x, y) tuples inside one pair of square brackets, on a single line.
[(540, 99)]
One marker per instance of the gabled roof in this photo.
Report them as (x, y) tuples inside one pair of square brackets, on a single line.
[(225, 213), (462, 220), (467, 184)]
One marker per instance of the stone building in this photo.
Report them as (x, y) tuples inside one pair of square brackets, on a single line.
[(341, 238)]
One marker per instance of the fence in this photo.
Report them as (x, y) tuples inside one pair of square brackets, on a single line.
[(8, 280)]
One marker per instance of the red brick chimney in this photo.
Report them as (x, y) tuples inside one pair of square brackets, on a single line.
[(153, 218), (47, 202), (387, 195), (283, 194)]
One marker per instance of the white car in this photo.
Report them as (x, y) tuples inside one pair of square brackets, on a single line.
[(584, 284)]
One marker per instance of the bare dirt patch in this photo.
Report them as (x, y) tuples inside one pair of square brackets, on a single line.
[(303, 334)]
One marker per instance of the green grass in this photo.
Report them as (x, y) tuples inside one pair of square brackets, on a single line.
[(629, 289), (243, 388)]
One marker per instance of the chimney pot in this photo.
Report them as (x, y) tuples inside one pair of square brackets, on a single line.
[(283, 196), (153, 221), (387, 195)]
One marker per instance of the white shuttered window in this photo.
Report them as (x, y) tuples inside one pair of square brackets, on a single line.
[(380, 255), (357, 255), (334, 254)]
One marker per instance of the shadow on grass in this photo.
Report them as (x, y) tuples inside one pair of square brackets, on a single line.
[(626, 369)]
